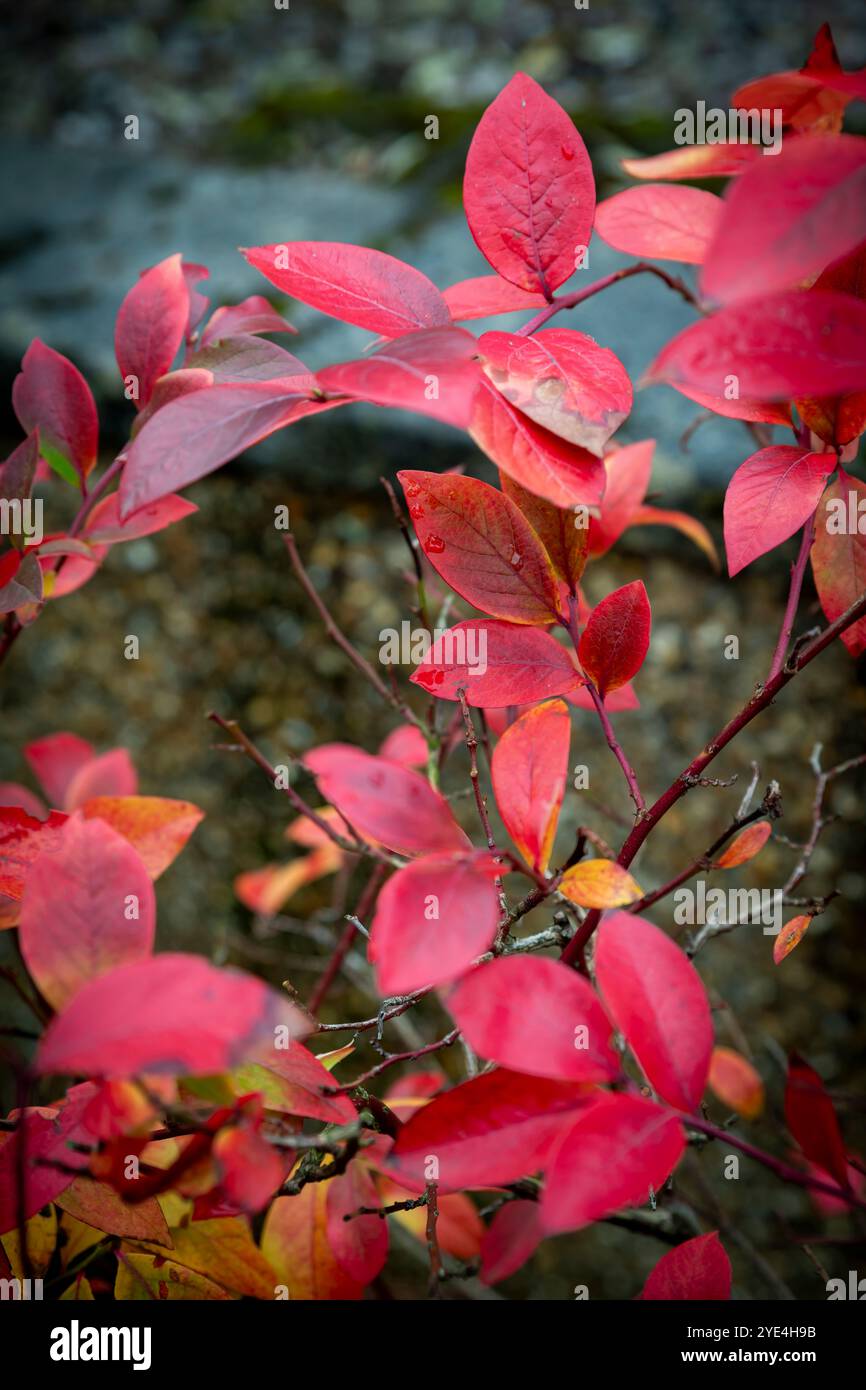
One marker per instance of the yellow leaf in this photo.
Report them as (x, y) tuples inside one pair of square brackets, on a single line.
[(41, 1233), (599, 883)]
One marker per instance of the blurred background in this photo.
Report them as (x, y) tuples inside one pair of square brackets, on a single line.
[(260, 125)]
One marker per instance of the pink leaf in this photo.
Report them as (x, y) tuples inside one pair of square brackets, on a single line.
[(433, 918), (697, 1269), (486, 295), (392, 804), (104, 526), (353, 283), (615, 1154), (151, 324), (661, 220), (47, 1133), (88, 906), (528, 190), (433, 372), (112, 774), (51, 395), (787, 218), (497, 664), (360, 1244), (253, 315), (173, 1014), (770, 497), (55, 760), (656, 998), (538, 1015)]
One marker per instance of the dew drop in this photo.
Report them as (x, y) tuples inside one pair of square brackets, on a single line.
[(416, 510), (567, 152), (413, 489), (517, 560), (434, 545)]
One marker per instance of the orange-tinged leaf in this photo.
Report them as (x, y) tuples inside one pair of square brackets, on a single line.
[(744, 846), (556, 527), (628, 474), (267, 890), (223, 1250), (41, 1237), (529, 768), (736, 1082), (694, 162), (680, 521), (599, 883), (295, 1243), (482, 545), (157, 826), (142, 1277), (839, 554), (98, 1206), (790, 936)]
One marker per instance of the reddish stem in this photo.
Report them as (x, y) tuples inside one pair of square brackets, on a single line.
[(570, 301), (798, 572), (341, 950)]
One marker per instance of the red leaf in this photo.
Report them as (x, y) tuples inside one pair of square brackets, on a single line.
[(839, 419), (247, 358), (511, 1239), (787, 218), (793, 343), (556, 527), (151, 325), (104, 526), (493, 1129), (790, 936), (614, 1154), (21, 839), (174, 1014), (51, 395), (816, 96), (303, 1080), (616, 638), (538, 1015), (770, 497), (628, 476), (811, 1118), (433, 919), (839, 554), (656, 998), (253, 315), (433, 372), (655, 219), (528, 190), (529, 770), (88, 905), (770, 412), (482, 545), (194, 435), (697, 1269), (360, 1245), (562, 380), (251, 1170), (497, 664), (55, 761), (537, 459), (353, 283), (392, 804), (486, 295), (47, 1135)]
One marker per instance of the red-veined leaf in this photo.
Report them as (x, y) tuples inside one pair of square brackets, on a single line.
[(839, 554), (22, 838), (151, 325), (562, 380), (811, 1118), (792, 343), (529, 769), (838, 419), (537, 459), (697, 1269), (736, 1083), (253, 315), (538, 1015), (97, 1205), (353, 283), (599, 883), (656, 998), (88, 906), (497, 664), (433, 918), (613, 1156), (51, 395), (528, 190), (493, 1129), (744, 846), (393, 804), (787, 218), (615, 641), (482, 545), (247, 358), (434, 372), (664, 221), (485, 295), (558, 529), (156, 826), (174, 1014)]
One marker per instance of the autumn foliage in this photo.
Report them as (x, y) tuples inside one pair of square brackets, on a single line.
[(189, 1126)]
